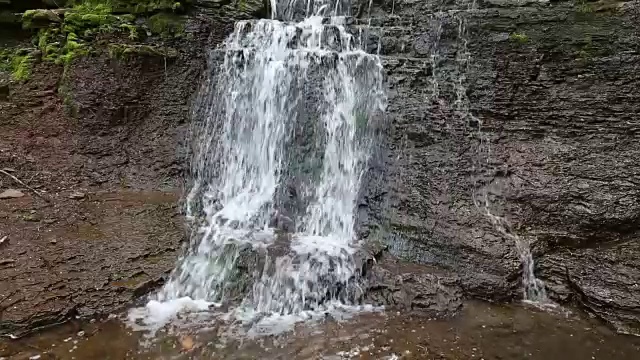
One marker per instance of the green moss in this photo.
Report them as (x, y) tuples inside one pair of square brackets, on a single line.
[(38, 18), (583, 7), (88, 16), (138, 6), (519, 38), (166, 25), (21, 67), (125, 51), (17, 62), (71, 50), (251, 7), (66, 94), (131, 29), (64, 35)]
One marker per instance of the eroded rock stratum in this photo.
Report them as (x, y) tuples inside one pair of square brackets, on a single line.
[(525, 110), (551, 145)]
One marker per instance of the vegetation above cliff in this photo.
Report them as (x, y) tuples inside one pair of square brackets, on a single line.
[(81, 27)]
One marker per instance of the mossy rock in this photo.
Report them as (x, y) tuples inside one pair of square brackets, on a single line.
[(148, 6), (166, 25), (18, 63), (518, 38), (40, 18), (126, 51), (249, 8)]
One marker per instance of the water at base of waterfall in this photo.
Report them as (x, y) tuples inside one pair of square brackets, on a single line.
[(270, 76)]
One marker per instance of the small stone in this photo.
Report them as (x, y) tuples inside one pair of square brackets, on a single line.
[(80, 333), (49, 221), (53, 241), (76, 195), (187, 343), (11, 194), (30, 217)]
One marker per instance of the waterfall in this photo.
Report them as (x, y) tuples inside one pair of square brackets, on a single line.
[(269, 78), (533, 289)]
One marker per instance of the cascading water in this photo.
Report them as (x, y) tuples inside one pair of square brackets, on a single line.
[(272, 75), (533, 288)]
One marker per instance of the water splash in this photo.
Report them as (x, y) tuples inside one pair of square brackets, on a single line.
[(241, 141)]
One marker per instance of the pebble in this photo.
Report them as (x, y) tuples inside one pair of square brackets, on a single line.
[(80, 333), (76, 195), (11, 194)]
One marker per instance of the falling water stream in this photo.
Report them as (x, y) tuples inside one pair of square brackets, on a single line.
[(273, 75), (533, 289)]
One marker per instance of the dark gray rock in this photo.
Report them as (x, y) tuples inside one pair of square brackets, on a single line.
[(406, 286), (523, 110)]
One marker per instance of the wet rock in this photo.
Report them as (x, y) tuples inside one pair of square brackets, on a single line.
[(282, 222), (11, 194), (508, 143), (604, 281), (406, 286)]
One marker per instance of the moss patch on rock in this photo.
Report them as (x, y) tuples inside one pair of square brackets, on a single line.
[(125, 51), (38, 18), (166, 25), (17, 62), (66, 34), (519, 38)]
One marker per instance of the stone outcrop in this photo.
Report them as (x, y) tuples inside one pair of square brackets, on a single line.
[(522, 110)]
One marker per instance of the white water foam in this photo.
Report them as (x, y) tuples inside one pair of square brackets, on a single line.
[(244, 114)]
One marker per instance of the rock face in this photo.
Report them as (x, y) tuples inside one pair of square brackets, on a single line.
[(102, 137), (412, 287), (520, 110)]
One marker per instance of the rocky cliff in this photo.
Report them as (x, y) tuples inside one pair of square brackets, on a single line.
[(523, 111), (94, 106)]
